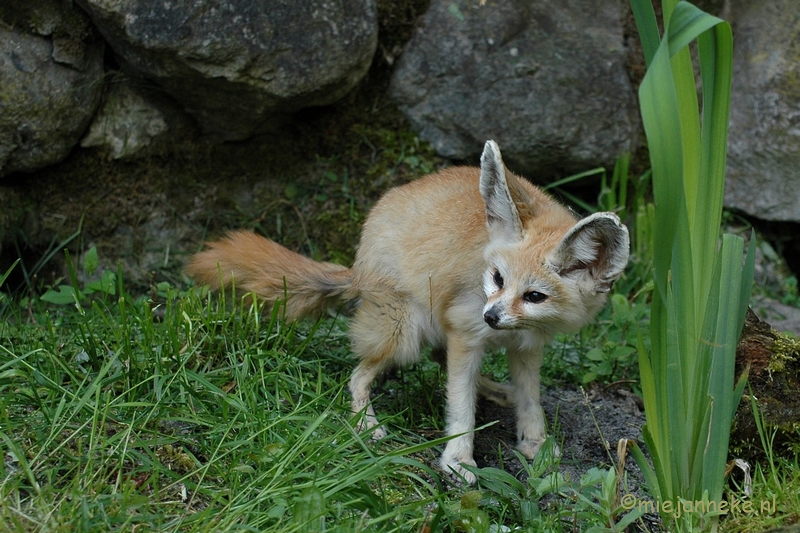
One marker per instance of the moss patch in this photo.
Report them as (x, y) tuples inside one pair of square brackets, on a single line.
[(773, 360)]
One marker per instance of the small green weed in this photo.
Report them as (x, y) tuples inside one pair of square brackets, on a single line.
[(547, 501), (604, 352), (616, 355), (105, 285), (791, 295)]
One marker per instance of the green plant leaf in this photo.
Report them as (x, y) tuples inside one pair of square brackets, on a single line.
[(91, 261), (63, 295), (309, 511), (701, 289), (107, 284), (4, 277), (648, 29)]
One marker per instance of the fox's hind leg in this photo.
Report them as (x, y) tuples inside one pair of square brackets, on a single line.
[(360, 386), (384, 333)]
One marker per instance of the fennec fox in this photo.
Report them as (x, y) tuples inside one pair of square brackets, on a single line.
[(464, 260)]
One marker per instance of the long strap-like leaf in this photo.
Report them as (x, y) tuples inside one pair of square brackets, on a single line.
[(700, 290)]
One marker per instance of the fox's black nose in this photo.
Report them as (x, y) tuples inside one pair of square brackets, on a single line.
[(491, 317)]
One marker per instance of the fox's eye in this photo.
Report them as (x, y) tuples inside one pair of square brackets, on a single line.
[(534, 297), (498, 279)]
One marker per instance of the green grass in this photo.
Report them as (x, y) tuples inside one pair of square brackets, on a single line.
[(775, 499), (181, 411), (214, 417), (774, 493), (190, 413)]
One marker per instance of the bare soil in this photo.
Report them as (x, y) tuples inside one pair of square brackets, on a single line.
[(587, 425)]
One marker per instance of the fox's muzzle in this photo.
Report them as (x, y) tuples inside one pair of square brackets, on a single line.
[(492, 318)]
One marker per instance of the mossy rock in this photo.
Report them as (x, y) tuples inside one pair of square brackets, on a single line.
[(773, 360)]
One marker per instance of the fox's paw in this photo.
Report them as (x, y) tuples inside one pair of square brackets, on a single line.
[(366, 423), (457, 470), (455, 467), (378, 433), (529, 448)]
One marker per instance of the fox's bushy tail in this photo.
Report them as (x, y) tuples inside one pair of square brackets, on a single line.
[(255, 264)]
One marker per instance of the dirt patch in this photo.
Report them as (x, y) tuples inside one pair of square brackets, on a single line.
[(587, 425)]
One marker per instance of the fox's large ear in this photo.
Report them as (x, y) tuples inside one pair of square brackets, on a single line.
[(503, 195), (595, 251)]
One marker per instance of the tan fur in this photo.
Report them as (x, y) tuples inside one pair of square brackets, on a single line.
[(425, 273), (255, 264)]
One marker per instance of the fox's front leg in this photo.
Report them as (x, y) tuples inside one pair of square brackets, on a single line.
[(524, 367), (463, 365)]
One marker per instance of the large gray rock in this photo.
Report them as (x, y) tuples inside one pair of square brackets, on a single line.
[(126, 123), (236, 64), (51, 81), (546, 80), (764, 142)]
